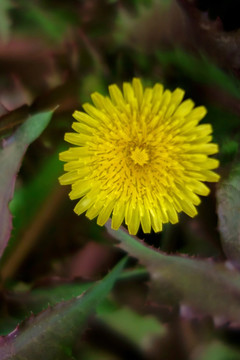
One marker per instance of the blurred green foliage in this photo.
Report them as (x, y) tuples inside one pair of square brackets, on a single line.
[(56, 54)]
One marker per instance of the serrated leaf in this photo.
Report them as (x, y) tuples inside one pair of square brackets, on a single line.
[(228, 198), (22, 303), (48, 335), (10, 160), (208, 287)]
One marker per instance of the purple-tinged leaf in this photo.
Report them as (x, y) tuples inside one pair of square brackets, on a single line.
[(208, 287), (228, 197), (50, 334), (11, 154)]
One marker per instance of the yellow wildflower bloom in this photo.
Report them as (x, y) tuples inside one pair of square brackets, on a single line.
[(140, 155)]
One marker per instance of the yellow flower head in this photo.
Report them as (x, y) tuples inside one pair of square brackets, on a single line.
[(140, 155)]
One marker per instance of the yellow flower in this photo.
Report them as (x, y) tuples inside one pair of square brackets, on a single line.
[(140, 155)]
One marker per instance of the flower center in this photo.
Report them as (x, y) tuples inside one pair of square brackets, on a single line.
[(139, 156)]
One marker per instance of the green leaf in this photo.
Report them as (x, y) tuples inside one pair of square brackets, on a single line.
[(22, 303), (217, 351), (52, 23), (201, 70), (50, 334), (222, 128), (11, 156), (228, 198), (208, 287), (136, 328), (32, 195), (229, 149), (28, 199), (5, 5)]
